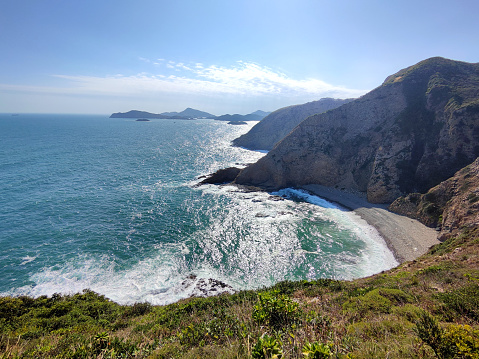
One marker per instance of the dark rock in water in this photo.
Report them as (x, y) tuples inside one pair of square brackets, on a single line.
[(221, 176), (237, 123), (143, 120), (203, 287)]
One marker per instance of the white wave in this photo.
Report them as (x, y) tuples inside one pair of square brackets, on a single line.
[(27, 259), (292, 193), (376, 256)]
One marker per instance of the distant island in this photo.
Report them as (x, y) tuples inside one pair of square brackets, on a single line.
[(190, 114), (255, 116), (187, 114)]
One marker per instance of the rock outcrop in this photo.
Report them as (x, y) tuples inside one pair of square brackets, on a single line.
[(225, 175), (451, 206), (414, 131), (202, 287), (274, 127)]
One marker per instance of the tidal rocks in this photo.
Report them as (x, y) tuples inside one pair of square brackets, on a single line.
[(202, 287), (222, 176)]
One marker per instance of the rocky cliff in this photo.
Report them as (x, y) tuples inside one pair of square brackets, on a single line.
[(414, 131), (452, 206), (274, 127)]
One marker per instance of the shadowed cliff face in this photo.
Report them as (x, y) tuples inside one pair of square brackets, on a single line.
[(277, 125), (451, 206), (409, 134)]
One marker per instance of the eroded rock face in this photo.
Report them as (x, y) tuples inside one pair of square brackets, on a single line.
[(408, 135), (451, 206), (274, 127)]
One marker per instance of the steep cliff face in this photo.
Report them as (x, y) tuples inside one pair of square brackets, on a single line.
[(274, 127), (414, 131), (452, 205)]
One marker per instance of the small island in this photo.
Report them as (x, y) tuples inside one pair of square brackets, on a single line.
[(143, 120)]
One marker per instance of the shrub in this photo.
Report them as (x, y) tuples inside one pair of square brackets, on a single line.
[(137, 309), (275, 310), (428, 330), (463, 301), (317, 350), (408, 311), (371, 301), (267, 348), (463, 341), (455, 341)]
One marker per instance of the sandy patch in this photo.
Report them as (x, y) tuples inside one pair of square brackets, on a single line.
[(406, 238)]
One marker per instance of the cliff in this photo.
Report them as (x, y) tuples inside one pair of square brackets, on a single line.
[(415, 130), (274, 127), (452, 206)]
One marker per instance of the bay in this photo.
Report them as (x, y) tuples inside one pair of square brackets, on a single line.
[(111, 205)]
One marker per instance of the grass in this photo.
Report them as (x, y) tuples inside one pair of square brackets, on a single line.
[(427, 308)]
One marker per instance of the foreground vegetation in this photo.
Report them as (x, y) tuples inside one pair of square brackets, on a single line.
[(428, 308)]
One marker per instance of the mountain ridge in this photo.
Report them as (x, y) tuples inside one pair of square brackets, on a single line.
[(412, 132), (190, 113), (275, 126)]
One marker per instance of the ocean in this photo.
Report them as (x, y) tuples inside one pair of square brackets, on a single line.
[(111, 205)]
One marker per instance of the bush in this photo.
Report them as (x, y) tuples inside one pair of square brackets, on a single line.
[(137, 309), (463, 301), (408, 311), (455, 341), (428, 330), (275, 310), (267, 348), (371, 301), (463, 341), (317, 350)]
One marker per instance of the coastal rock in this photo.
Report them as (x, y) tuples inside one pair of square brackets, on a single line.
[(451, 206), (414, 131), (222, 176), (202, 287), (274, 127)]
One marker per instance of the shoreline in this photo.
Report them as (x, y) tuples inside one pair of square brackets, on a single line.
[(407, 238)]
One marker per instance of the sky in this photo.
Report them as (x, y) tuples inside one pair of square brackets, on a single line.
[(219, 56)]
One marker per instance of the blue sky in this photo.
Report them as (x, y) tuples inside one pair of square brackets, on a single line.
[(220, 56)]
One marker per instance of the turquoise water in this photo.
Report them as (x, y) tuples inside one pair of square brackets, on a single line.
[(110, 205)]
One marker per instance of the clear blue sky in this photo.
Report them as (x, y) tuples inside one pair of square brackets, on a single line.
[(220, 56)]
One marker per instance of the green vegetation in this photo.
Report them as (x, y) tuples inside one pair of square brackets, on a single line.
[(422, 309)]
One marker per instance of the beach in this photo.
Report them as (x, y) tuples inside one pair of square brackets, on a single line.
[(406, 238)]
